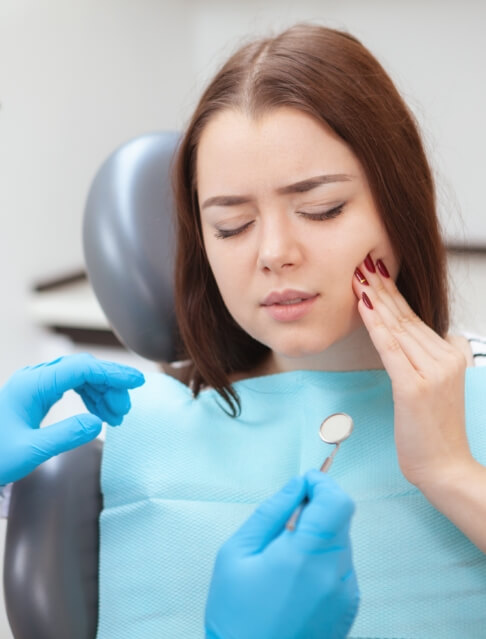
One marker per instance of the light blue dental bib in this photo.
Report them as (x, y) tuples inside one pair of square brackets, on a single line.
[(180, 476)]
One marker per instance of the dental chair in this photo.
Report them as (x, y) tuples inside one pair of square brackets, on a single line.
[(51, 551)]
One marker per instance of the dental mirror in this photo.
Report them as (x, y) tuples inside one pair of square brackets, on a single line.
[(333, 430)]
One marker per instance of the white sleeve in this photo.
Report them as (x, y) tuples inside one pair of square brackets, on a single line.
[(478, 348), (5, 500)]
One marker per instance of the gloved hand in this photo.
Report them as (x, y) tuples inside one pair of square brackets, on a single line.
[(29, 394), (271, 583)]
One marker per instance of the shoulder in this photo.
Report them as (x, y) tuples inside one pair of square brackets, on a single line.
[(473, 346), (181, 371), (159, 395)]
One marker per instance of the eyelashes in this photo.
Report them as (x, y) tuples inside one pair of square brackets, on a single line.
[(323, 215), (222, 234)]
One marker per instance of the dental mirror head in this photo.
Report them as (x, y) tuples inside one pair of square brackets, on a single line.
[(336, 428)]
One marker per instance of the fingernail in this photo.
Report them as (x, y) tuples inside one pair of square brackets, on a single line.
[(382, 268), (360, 277), (367, 301), (369, 264)]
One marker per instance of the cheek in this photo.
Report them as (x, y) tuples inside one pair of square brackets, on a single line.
[(338, 256), (343, 302), (230, 275), (368, 236)]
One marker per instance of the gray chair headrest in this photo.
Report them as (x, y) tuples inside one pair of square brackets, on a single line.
[(128, 240)]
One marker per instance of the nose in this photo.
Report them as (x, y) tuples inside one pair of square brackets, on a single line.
[(278, 245)]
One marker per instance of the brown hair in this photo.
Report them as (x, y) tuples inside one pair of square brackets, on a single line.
[(330, 75)]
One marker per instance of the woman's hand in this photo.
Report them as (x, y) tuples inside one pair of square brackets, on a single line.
[(427, 374)]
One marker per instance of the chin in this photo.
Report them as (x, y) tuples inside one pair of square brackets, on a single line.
[(305, 340), (303, 348), (308, 343)]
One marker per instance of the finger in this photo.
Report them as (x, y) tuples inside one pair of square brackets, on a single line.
[(96, 404), (389, 294), (367, 277), (111, 418), (387, 299), (91, 406), (75, 370), (270, 517), (121, 376), (422, 357), (117, 401), (65, 435), (428, 353), (88, 392), (329, 511), (421, 351), (396, 363)]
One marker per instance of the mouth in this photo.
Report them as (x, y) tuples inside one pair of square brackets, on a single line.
[(289, 306), (287, 297), (297, 300)]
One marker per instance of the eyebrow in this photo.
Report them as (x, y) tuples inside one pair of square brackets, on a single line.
[(298, 187)]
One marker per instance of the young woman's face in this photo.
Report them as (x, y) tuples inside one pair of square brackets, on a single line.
[(287, 216)]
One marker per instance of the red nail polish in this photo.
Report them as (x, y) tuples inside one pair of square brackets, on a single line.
[(382, 268), (367, 301), (361, 278), (369, 264)]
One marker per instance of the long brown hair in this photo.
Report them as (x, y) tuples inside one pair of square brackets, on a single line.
[(330, 75)]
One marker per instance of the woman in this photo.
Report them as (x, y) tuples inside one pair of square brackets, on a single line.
[(310, 279)]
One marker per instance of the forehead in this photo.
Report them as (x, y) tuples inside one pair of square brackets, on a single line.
[(279, 147)]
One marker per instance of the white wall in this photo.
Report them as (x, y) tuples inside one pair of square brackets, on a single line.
[(78, 78)]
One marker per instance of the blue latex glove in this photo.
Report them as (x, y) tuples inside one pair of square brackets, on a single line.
[(29, 394), (271, 583)]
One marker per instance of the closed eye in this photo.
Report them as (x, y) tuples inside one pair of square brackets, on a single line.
[(322, 215), (222, 234)]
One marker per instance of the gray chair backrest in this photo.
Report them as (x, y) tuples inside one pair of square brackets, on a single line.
[(51, 549), (128, 238)]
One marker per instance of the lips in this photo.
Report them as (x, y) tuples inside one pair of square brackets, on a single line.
[(289, 306), (287, 297)]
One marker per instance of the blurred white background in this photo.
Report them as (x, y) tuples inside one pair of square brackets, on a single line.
[(77, 79)]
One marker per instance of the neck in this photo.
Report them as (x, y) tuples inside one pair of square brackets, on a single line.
[(354, 352)]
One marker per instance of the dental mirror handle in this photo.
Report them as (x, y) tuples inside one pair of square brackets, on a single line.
[(328, 461), (294, 518)]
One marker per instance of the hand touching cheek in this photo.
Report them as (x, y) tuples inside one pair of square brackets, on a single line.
[(427, 374)]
